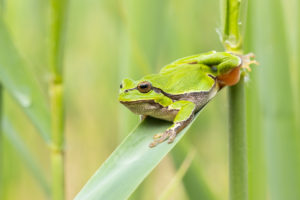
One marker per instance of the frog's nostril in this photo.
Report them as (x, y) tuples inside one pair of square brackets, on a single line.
[(126, 91)]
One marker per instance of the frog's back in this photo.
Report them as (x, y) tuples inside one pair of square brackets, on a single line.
[(183, 78)]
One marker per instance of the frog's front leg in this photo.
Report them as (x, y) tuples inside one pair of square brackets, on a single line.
[(184, 116)]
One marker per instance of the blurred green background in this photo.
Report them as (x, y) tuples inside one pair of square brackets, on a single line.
[(108, 40)]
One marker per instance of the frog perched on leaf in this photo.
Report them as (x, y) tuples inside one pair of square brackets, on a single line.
[(181, 89)]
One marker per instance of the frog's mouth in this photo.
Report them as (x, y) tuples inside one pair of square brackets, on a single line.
[(137, 102), (142, 107)]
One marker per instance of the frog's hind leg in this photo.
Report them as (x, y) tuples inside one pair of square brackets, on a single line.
[(182, 119), (231, 77)]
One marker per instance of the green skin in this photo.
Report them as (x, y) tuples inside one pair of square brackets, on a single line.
[(179, 90)]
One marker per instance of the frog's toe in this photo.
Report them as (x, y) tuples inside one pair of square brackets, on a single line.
[(250, 55), (162, 137), (247, 61), (172, 137), (158, 135), (152, 144)]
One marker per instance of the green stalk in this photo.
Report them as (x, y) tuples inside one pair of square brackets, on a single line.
[(298, 73), (231, 33), (1, 143), (237, 143), (57, 151), (1, 128), (58, 14), (237, 133)]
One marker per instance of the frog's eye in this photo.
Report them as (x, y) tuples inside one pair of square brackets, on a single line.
[(121, 86), (144, 87)]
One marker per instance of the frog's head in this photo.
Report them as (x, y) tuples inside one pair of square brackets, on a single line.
[(141, 97), (136, 91)]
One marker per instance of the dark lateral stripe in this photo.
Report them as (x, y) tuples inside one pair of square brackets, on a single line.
[(130, 89), (158, 90)]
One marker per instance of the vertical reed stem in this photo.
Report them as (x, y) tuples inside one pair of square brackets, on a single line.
[(1, 143), (238, 173), (57, 153), (58, 14), (1, 122), (237, 133)]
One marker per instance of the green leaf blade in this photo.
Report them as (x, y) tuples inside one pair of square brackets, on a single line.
[(25, 155), (130, 163), (22, 85)]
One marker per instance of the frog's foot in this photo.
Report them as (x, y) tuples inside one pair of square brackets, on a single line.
[(161, 137), (182, 119), (246, 61)]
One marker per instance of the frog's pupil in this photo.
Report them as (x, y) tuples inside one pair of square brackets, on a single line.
[(144, 86), (121, 85)]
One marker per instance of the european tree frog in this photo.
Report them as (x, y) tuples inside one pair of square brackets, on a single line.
[(181, 88)]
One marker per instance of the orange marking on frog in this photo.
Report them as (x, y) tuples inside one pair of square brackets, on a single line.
[(230, 78)]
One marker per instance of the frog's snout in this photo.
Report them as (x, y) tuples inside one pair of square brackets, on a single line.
[(123, 91), (121, 87)]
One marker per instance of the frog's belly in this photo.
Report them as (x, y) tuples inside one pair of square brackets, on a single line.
[(152, 109)]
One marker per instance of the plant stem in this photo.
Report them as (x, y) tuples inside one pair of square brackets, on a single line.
[(1, 143), (1, 124), (237, 133), (58, 15), (237, 143), (57, 153), (231, 33)]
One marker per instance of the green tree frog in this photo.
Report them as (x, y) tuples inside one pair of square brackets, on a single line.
[(181, 89)]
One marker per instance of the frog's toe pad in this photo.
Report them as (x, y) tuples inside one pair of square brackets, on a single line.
[(247, 61), (172, 137), (160, 137)]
